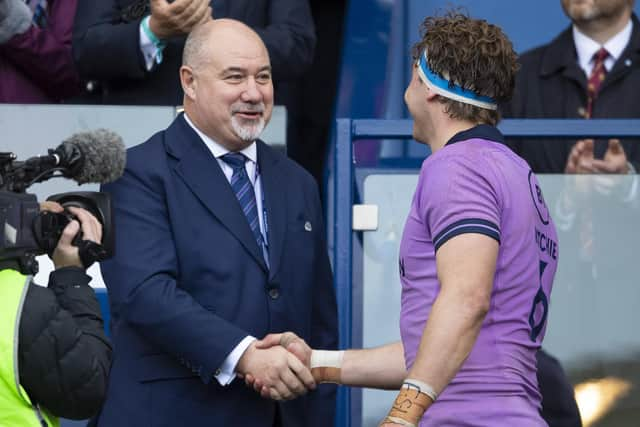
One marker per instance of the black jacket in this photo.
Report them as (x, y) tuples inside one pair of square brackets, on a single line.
[(559, 407), (551, 84), (64, 356), (106, 49)]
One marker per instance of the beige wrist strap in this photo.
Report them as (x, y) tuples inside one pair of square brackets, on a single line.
[(421, 387), (414, 398), (396, 420), (326, 366)]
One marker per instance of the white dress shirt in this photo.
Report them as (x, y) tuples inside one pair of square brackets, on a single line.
[(149, 50), (226, 372), (587, 47)]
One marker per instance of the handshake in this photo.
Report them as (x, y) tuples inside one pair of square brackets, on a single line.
[(283, 366)]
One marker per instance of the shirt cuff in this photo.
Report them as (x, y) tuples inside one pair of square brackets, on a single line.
[(226, 373), (150, 51)]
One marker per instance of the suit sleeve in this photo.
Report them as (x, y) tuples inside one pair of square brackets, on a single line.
[(142, 278), (324, 321), (290, 37), (105, 47)]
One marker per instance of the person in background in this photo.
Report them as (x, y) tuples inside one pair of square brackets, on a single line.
[(55, 357), (128, 52), (588, 71), (36, 63), (309, 133)]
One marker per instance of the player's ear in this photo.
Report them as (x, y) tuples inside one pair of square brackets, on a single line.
[(431, 94)]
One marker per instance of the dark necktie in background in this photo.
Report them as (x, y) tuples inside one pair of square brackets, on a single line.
[(245, 194), (598, 73)]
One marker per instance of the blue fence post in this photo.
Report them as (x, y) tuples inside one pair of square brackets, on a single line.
[(342, 251)]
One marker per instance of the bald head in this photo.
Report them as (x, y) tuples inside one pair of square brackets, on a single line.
[(226, 78), (216, 36)]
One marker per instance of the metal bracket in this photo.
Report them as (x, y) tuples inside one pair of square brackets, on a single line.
[(365, 218)]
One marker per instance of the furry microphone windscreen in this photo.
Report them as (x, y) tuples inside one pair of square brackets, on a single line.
[(102, 156)]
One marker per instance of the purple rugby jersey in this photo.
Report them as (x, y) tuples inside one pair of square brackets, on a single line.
[(475, 184)]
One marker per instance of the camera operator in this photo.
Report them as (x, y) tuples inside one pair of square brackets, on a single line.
[(63, 355)]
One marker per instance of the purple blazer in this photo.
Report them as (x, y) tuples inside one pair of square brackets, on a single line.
[(37, 66)]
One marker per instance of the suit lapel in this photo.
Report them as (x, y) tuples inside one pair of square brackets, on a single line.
[(273, 181), (201, 172)]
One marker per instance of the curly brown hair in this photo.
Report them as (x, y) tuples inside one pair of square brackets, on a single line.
[(473, 54)]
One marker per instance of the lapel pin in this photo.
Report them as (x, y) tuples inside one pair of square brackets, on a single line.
[(307, 226)]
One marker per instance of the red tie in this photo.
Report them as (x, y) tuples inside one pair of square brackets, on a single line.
[(596, 78)]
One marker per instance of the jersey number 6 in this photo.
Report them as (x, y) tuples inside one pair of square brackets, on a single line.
[(542, 299)]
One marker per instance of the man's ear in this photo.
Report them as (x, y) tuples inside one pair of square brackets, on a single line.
[(188, 81)]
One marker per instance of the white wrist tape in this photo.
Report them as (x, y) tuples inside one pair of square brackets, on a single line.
[(327, 358), (399, 421), (421, 387), (326, 366)]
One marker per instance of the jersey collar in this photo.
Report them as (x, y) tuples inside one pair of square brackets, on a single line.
[(480, 132)]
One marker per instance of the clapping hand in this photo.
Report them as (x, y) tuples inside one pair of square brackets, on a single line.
[(581, 159), (177, 18)]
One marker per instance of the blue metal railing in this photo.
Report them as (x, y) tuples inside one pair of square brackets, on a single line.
[(348, 130)]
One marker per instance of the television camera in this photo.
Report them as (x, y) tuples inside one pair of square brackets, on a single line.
[(97, 156)]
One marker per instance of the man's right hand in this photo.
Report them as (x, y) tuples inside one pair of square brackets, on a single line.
[(280, 373), (300, 349), (177, 18)]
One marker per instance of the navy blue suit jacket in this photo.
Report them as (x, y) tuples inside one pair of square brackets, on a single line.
[(188, 283)]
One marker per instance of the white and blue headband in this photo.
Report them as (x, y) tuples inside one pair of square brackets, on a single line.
[(444, 87)]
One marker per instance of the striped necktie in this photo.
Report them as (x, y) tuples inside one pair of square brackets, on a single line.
[(241, 186), (598, 73)]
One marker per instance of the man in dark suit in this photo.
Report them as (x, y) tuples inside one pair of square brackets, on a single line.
[(123, 65), (220, 240), (587, 71)]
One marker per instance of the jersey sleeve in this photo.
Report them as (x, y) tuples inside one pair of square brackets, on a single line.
[(459, 195)]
